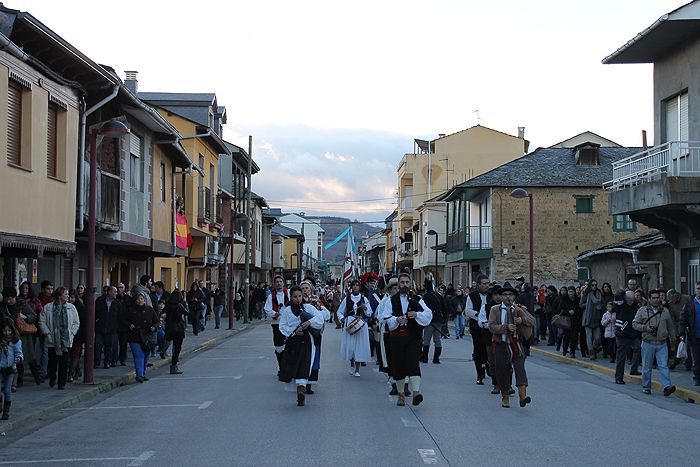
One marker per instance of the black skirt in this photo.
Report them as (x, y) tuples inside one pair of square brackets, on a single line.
[(296, 360)]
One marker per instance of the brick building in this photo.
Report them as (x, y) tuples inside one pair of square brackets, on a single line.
[(488, 230)]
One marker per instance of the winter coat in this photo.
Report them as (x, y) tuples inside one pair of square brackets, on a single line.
[(608, 321), (14, 349), (592, 304), (143, 318), (107, 320), (47, 326)]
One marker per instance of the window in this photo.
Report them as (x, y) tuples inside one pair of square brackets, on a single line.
[(162, 182), (623, 223), (52, 141), (676, 115), (583, 270), (14, 123), (136, 165), (201, 174), (584, 205)]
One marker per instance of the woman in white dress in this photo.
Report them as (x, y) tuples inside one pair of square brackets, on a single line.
[(354, 344)]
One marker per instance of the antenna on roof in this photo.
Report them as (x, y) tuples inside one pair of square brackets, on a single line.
[(478, 116)]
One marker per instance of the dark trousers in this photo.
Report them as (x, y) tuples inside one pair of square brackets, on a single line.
[(552, 331), (405, 352), (119, 347), (506, 364), (103, 340), (177, 347), (57, 363), (481, 358), (491, 368), (694, 353), (624, 344), (571, 337)]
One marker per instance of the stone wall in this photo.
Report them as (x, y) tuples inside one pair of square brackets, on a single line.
[(560, 233)]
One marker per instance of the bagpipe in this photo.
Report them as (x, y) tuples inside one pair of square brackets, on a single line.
[(304, 316)]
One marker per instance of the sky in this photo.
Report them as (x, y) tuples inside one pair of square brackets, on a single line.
[(334, 92)]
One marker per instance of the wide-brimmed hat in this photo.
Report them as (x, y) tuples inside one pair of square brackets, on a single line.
[(508, 288)]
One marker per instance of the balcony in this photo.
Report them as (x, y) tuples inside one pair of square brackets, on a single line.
[(406, 250), (472, 243), (205, 203), (674, 159), (108, 205), (218, 223), (214, 252), (660, 188), (407, 203)]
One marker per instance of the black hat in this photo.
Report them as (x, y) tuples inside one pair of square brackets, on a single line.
[(508, 288)]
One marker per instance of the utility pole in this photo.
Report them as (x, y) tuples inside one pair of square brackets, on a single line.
[(248, 229)]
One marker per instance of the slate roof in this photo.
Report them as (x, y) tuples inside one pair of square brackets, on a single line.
[(648, 240), (552, 167), (190, 105), (286, 231)]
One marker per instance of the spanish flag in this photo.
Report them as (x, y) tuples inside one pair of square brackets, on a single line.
[(183, 237)]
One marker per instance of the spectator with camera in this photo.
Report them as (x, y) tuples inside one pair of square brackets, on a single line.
[(656, 325)]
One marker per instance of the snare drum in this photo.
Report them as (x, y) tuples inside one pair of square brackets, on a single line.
[(355, 326)]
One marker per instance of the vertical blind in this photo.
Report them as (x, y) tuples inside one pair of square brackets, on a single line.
[(14, 122)]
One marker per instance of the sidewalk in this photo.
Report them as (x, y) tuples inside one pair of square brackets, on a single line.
[(682, 379), (31, 402)]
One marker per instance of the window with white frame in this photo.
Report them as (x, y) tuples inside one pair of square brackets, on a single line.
[(136, 162)]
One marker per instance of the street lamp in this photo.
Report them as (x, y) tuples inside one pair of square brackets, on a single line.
[(110, 129), (521, 193), (236, 221), (432, 232)]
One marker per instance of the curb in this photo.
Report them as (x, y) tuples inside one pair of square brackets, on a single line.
[(116, 382), (687, 395)]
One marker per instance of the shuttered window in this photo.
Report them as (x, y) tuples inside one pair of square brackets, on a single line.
[(136, 166), (676, 118), (52, 141), (14, 123)]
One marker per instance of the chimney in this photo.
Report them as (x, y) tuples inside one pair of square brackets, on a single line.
[(132, 82), (441, 135), (521, 132)]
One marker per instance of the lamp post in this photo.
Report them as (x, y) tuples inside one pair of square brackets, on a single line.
[(111, 129), (236, 221), (433, 232), (521, 193)]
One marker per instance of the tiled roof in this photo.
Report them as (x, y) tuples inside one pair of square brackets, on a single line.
[(648, 240), (551, 167), (286, 231), (184, 97)]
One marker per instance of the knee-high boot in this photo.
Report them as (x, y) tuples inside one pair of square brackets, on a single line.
[(424, 354), (436, 355)]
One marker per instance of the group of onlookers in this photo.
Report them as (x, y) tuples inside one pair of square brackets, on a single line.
[(44, 335)]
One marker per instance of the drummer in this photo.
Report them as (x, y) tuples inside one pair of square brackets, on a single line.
[(354, 309)]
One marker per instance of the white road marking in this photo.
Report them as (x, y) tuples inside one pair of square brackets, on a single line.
[(428, 456), (135, 461), (205, 404), (141, 406), (260, 357), (171, 379), (141, 459), (408, 423)]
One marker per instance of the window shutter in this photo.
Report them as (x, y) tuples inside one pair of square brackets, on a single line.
[(14, 122), (671, 120), (683, 117), (135, 145), (52, 140)]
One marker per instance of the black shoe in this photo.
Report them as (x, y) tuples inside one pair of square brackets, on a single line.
[(105, 366), (394, 391), (697, 382), (52, 383), (149, 365), (619, 381), (363, 364), (139, 379), (646, 391), (480, 381), (635, 373), (406, 391), (217, 327), (145, 378), (417, 399), (308, 389), (511, 391), (122, 364), (669, 390)]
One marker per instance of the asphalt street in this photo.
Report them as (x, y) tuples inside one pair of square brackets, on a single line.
[(228, 409)]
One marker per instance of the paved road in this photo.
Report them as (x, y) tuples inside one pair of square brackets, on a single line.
[(228, 409)]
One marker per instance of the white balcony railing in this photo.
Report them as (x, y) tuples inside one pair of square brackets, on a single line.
[(674, 159), (407, 204)]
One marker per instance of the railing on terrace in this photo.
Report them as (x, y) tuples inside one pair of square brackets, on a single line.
[(471, 238), (406, 249), (205, 204), (407, 204), (673, 159)]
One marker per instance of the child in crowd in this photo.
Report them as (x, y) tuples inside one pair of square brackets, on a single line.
[(10, 356), (608, 321)]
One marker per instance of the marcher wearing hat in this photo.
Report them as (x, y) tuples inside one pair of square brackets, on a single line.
[(510, 325), (436, 302), (354, 346), (309, 297), (487, 338), (371, 290)]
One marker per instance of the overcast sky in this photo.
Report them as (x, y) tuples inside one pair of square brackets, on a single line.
[(334, 92)]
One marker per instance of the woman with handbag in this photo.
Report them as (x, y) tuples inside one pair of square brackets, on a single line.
[(20, 310), (141, 323), (175, 324), (569, 308)]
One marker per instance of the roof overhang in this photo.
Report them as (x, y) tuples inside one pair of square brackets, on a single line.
[(681, 26)]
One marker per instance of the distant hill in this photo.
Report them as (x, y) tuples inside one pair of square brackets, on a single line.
[(334, 226)]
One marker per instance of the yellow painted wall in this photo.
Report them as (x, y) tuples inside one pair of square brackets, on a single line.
[(162, 212), (33, 203), (175, 270), (291, 247)]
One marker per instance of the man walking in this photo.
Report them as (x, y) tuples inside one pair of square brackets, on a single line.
[(478, 320), (278, 299), (107, 314), (690, 331), (436, 302), (655, 323), (626, 337)]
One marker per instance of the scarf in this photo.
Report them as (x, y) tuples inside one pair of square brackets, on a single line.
[(592, 314), (60, 328)]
